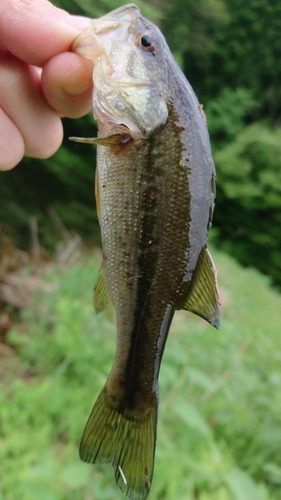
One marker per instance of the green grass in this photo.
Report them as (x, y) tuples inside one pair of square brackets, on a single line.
[(219, 432)]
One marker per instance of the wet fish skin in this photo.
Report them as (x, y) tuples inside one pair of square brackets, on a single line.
[(155, 195)]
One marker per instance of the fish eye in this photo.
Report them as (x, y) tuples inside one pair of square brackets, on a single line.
[(146, 42)]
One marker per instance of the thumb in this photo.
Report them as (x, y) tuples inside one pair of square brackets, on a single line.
[(35, 31)]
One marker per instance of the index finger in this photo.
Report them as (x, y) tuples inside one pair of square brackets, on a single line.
[(35, 31)]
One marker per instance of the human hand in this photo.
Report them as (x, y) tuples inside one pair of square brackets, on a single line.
[(40, 81)]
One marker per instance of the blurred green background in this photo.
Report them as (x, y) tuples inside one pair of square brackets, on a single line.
[(220, 401), (219, 432)]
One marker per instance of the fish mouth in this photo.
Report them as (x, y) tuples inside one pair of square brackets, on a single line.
[(113, 25)]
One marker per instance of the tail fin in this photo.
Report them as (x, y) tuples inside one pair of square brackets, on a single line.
[(125, 437)]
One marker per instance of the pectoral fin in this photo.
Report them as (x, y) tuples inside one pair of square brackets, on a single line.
[(203, 297), (101, 294), (116, 141)]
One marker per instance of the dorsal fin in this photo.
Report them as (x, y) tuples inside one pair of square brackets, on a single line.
[(203, 297)]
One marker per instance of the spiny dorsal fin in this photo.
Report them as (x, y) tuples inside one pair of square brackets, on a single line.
[(101, 294), (203, 298)]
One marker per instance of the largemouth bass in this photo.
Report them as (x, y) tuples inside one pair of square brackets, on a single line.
[(155, 192)]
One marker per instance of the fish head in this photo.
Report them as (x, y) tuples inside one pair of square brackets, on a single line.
[(130, 72)]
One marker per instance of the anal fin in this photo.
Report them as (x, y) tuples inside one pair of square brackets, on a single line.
[(203, 297)]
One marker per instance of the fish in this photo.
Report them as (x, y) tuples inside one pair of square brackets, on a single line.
[(155, 190)]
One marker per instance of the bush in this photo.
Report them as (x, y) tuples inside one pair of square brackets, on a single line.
[(248, 212)]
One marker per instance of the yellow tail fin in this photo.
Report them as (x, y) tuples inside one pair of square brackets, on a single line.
[(125, 437)]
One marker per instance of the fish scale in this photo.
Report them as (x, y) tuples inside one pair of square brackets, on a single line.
[(155, 198)]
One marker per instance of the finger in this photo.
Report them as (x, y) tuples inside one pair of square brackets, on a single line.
[(67, 84), (23, 101), (11, 143), (35, 30)]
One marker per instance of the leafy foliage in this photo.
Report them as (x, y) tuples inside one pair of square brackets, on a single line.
[(189, 28), (246, 53), (219, 418), (249, 196), (228, 113)]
